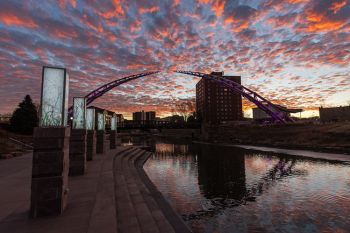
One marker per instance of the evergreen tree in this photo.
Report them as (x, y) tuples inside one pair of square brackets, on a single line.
[(25, 117)]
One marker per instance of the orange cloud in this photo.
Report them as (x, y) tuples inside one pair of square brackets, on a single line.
[(240, 17), (117, 11), (149, 10), (62, 3), (336, 6), (218, 7), (319, 23), (297, 1), (135, 26), (12, 19), (176, 2)]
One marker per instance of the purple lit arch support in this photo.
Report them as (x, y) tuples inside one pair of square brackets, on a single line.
[(109, 86), (272, 110)]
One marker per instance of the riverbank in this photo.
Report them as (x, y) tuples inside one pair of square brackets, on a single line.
[(330, 138), (229, 189), (300, 153)]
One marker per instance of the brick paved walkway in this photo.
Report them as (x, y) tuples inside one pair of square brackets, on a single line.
[(114, 196)]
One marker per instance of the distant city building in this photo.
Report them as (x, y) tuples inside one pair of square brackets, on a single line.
[(215, 103), (335, 114), (144, 116), (150, 116), (120, 120), (138, 116)]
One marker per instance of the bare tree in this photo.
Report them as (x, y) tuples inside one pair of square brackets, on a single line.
[(184, 108)]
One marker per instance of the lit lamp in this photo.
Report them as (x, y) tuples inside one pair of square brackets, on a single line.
[(91, 135), (114, 122), (90, 119), (112, 135), (51, 146), (101, 121), (79, 113), (100, 138), (77, 145), (54, 97)]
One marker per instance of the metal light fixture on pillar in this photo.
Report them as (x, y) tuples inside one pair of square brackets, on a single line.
[(113, 132), (91, 134), (49, 188), (77, 145), (100, 137)]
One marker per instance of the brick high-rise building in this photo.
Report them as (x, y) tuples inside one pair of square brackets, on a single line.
[(215, 103), (144, 116)]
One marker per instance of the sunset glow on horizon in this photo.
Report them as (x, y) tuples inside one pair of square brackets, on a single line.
[(295, 53)]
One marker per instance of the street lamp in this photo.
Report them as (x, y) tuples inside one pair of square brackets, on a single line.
[(51, 146), (101, 121), (77, 144), (100, 133), (79, 113), (54, 97), (91, 134), (90, 119), (113, 132)]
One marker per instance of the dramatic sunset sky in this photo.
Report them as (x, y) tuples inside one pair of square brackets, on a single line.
[(293, 52)]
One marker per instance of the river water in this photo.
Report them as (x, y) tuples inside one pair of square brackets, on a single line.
[(228, 189)]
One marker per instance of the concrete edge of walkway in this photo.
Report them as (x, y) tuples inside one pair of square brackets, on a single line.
[(172, 216)]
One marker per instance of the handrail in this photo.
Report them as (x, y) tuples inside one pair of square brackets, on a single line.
[(21, 143)]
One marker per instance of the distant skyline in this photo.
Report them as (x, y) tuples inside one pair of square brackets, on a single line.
[(293, 52)]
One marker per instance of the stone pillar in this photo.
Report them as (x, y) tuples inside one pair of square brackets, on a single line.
[(112, 139), (49, 189), (90, 145), (77, 152), (100, 142)]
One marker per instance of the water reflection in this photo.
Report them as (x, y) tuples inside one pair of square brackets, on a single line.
[(224, 189)]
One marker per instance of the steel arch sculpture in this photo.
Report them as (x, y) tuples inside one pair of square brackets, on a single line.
[(276, 113), (107, 87)]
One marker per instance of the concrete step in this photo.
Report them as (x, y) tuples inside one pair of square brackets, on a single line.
[(118, 158), (137, 206), (161, 221), (146, 220), (132, 212), (168, 220)]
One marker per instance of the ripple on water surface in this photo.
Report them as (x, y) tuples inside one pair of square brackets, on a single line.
[(227, 189)]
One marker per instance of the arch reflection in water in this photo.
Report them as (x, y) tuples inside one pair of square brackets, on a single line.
[(226, 189)]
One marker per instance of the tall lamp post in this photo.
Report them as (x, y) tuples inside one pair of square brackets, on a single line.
[(77, 144), (100, 137), (91, 134), (113, 133), (49, 188)]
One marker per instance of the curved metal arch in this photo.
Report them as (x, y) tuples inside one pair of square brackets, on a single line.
[(274, 111), (107, 87)]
